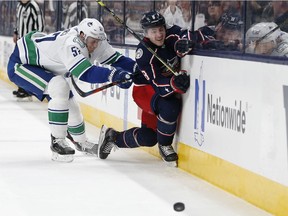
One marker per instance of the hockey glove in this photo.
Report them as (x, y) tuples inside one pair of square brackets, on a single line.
[(213, 45), (183, 47), (180, 83), (125, 78)]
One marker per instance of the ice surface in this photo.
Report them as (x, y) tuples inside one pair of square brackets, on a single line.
[(130, 182)]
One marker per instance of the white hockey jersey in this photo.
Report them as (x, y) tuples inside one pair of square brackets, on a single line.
[(281, 50), (63, 52)]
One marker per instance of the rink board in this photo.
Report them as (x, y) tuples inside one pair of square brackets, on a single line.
[(233, 130)]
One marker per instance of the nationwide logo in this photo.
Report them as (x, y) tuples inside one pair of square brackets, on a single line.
[(233, 118), (199, 116), (229, 117)]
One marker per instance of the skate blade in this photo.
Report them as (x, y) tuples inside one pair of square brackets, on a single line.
[(89, 154), (62, 158), (93, 152), (26, 99), (101, 137), (170, 163)]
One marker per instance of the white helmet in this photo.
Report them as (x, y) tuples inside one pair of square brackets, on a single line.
[(92, 28), (259, 30)]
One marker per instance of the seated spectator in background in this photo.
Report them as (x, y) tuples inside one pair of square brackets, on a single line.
[(260, 40), (231, 6), (187, 17), (114, 32), (214, 13), (133, 21), (70, 13), (114, 29), (173, 14), (257, 12), (280, 14)]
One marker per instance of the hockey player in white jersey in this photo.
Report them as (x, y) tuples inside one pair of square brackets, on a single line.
[(39, 63), (266, 38)]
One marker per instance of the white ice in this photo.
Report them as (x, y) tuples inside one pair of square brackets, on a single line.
[(129, 182)]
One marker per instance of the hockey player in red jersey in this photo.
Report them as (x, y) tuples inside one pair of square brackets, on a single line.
[(157, 91), (39, 63)]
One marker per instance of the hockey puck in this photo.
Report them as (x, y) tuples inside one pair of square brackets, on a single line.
[(179, 206)]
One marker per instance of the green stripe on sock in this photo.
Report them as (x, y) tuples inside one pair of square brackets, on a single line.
[(58, 117), (77, 130)]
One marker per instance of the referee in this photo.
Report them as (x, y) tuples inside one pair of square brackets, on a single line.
[(28, 18)]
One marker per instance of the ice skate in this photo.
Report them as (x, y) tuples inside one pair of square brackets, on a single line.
[(106, 142), (61, 151), (15, 92), (86, 147), (23, 96), (168, 155)]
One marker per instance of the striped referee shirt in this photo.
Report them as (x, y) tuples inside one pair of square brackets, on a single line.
[(28, 18)]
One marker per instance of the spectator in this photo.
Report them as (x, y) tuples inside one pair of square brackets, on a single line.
[(280, 13), (71, 15), (114, 29), (231, 7), (173, 14), (214, 13), (255, 13), (187, 17)]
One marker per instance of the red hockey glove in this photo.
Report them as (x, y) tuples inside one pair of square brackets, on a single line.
[(180, 83)]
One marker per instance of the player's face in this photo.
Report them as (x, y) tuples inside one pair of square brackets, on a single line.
[(264, 48), (92, 44), (156, 35), (230, 36)]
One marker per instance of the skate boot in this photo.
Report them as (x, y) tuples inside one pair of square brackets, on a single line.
[(61, 151), (168, 154), (15, 92), (86, 147), (22, 95), (106, 142)]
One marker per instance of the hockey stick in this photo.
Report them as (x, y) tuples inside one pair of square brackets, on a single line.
[(85, 94), (137, 37)]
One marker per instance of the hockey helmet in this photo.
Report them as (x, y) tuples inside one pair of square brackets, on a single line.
[(92, 28), (152, 19), (264, 30), (231, 21)]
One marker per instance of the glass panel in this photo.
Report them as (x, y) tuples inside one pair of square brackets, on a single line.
[(176, 12), (73, 12), (134, 13), (50, 16), (3, 17), (113, 29), (93, 9), (225, 18), (267, 24)]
